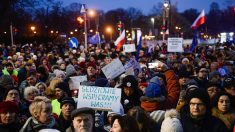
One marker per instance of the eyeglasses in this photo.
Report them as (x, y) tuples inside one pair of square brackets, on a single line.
[(196, 104)]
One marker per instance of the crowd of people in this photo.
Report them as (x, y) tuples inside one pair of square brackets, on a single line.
[(183, 92)]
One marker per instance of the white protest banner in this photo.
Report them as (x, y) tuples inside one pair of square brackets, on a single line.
[(175, 45), (102, 98), (113, 69), (75, 81), (129, 48), (134, 64)]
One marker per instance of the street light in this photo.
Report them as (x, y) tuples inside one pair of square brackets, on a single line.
[(166, 8), (91, 13), (33, 28), (84, 11), (109, 30)]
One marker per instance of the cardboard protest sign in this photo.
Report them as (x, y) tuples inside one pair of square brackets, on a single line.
[(129, 48), (175, 45), (113, 69), (102, 98), (75, 81)]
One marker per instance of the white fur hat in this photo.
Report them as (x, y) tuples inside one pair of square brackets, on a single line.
[(171, 123)]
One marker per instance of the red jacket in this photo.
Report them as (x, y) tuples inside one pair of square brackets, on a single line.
[(172, 90)]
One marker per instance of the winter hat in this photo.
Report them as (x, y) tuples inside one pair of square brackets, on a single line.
[(66, 100), (153, 90), (101, 82), (59, 73), (130, 81), (64, 86), (185, 59), (8, 106), (6, 81), (91, 65), (70, 70), (83, 110), (155, 80), (191, 84), (49, 130), (171, 123), (157, 116), (200, 94), (229, 82), (213, 84)]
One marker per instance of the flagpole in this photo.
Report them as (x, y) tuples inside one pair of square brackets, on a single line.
[(12, 41), (194, 42)]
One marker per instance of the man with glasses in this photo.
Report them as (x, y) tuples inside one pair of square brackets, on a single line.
[(196, 115)]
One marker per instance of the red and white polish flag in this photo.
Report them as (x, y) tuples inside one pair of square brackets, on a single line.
[(199, 21), (120, 40)]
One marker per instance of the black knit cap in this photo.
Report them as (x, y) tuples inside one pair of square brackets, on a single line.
[(130, 81), (66, 100), (83, 110), (200, 94), (64, 86)]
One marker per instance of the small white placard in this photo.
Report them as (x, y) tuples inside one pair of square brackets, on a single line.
[(129, 48), (175, 45), (113, 69)]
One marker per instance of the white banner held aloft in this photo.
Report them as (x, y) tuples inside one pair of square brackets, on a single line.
[(101, 98), (175, 45), (134, 64), (113, 69), (75, 81), (129, 48)]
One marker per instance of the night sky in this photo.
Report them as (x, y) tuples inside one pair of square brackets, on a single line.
[(146, 5)]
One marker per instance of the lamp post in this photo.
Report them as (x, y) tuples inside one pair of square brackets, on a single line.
[(84, 11), (166, 9)]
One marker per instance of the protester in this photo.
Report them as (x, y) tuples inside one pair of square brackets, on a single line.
[(61, 90), (196, 115), (67, 105), (124, 124), (145, 123), (171, 122), (130, 93), (41, 111), (172, 89), (223, 110), (83, 119), (8, 117)]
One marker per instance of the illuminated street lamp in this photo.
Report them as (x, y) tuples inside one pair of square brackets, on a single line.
[(109, 30), (33, 28), (91, 13), (166, 9)]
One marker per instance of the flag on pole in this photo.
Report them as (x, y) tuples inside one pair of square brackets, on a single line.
[(199, 21), (120, 40), (95, 39)]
